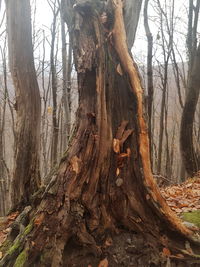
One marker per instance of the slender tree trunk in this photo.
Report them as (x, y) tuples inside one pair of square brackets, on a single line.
[(65, 97), (5, 178), (149, 75), (190, 156), (162, 114), (55, 129), (104, 184), (26, 177)]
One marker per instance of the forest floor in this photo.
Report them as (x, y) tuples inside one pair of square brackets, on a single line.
[(184, 200), (129, 248)]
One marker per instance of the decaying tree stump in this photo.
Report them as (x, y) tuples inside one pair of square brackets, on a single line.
[(103, 195)]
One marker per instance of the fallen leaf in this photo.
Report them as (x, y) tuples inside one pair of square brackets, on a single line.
[(13, 216), (39, 219), (166, 252), (103, 263), (1, 255), (2, 237), (108, 242)]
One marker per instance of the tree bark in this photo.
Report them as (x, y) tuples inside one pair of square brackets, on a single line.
[(66, 72), (55, 128), (26, 177), (149, 75), (190, 157), (104, 184)]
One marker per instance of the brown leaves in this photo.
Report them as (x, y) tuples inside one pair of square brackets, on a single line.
[(103, 263), (184, 197), (3, 236), (38, 220), (5, 223), (166, 252), (12, 216)]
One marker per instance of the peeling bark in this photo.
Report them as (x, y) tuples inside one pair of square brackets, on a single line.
[(104, 185)]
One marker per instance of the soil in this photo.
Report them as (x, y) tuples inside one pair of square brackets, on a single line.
[(124, 249)]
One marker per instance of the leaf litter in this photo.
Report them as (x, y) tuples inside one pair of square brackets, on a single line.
[(183, 197)]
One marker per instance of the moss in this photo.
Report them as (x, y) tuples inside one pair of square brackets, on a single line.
[(21, 259), (28, 229), (192, 217), (14, 247)]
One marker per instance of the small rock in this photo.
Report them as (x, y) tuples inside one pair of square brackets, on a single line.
[(119, 182)]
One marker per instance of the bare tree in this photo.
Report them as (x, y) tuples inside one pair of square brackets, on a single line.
[(55, 129), (166, 45), (66, 66), (149, 74), (191, 157), (26, 177)]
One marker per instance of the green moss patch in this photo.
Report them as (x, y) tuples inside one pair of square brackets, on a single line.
[(28, 229), (192, 217), (14, 247), (21, 259)]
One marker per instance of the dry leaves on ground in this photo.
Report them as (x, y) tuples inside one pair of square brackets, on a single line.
[(184, 197), (5, 223)]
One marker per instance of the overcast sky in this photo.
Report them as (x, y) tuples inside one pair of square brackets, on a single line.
[(44, 20)]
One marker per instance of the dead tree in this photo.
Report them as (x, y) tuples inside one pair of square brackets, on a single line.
[(104, 185)]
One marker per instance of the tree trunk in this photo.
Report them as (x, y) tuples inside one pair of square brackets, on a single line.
[(26, 177), (190, 157), (66, 62), (149, 75), (55, 128), (104, 185)]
